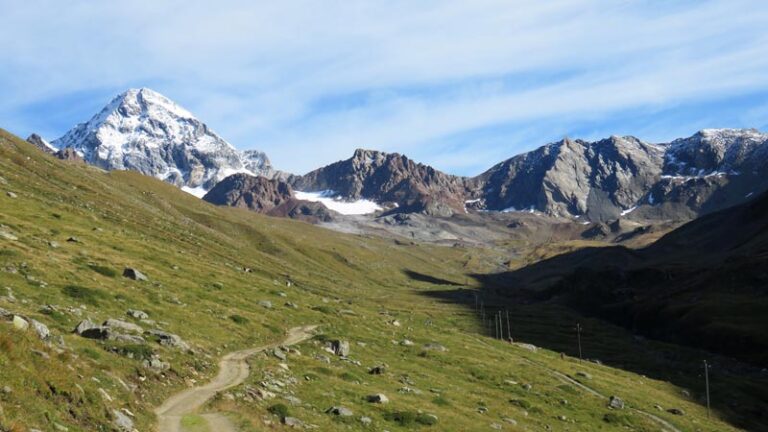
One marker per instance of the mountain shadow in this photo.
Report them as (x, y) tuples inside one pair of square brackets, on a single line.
[(700, 292)]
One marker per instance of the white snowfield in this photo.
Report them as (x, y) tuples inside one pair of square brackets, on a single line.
[(338, 204), (145, 131)]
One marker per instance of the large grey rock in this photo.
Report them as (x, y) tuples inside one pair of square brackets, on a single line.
[(41, 330), (615, 402), (340, 348), (137, 314), (132, 273), (340, 411), (20, 323), (84, 325), (124, 326), (169, 339), (377, 398), (121, 421)]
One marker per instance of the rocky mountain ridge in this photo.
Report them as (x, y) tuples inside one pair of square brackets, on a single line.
[(144, 131), (594, 181)]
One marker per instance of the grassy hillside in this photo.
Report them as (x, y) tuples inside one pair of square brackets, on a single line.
[(69, 230)]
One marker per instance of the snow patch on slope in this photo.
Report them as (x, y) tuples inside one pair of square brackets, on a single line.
[(337, 204)]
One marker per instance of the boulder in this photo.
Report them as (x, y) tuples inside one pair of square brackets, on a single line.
[(20, 323), (131, 339), (122, 325), (340, 347), (406, 342), (676, 411), (132, 273), (84, 325), (340, 411), (156, 364), (377, 370), (292, 422), (266, 304), (435, 347), (377, 398), (169, 339), (137, 314), (41, 330), (615, 402), (277, 352), (99, 332), (121, 421)]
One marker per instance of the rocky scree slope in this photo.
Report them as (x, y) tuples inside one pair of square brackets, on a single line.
[(142, 130)]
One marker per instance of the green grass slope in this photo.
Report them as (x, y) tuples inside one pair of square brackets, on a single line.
[(210, 271)]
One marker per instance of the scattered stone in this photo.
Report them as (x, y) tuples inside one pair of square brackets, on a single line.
[(658, 407), (435, 347), (340, 348), (282, 294), (11, 194), (293, 400), (583, 375), (529, 347), (292, 422), (73, 240), (509, 420), (615, 402), (366, 421), (122, 325), (676, 411), (41, 329), (169, 339), (5, 315), (266, 304), (7, 390), (395, 323), (132, 273), (122, 422), (277, 352), (377, 370), (137, 314), (53, 244), (84, 325), (377, 398), (5, 234), (407, 342), (527, 387), (482, 410), (562, 418), (131, 339), (340, 411), (20, 323), (496, 426), (41, 354), (291, 305), (156, 364)]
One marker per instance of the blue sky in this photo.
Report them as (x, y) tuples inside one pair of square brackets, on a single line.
[(458, 84)]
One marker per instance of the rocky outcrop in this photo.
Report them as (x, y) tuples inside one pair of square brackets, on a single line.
[(388, 178), (39, 142), (271, 197)]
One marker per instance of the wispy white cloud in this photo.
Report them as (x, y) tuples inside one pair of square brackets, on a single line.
[(318, 79)]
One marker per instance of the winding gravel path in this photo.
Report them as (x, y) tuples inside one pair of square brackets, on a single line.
[(233, 370)]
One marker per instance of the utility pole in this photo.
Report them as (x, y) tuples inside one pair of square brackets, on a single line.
[(706, 383), (578, 338), (509, 329)]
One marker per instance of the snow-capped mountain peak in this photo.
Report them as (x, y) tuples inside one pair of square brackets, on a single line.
[(143, 130)]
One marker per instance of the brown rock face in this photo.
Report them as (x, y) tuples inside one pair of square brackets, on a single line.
[(389, 178), (271, 197)]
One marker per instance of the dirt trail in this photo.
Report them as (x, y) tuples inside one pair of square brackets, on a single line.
[(233, 370)]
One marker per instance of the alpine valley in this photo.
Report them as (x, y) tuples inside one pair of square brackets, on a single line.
[(153, 277)]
